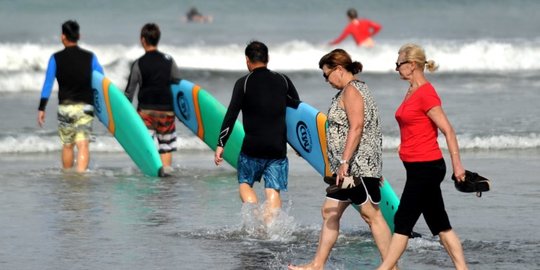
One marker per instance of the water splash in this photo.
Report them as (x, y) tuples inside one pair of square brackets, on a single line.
[(260, 223)]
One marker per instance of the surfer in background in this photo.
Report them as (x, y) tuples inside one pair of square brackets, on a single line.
[(262, 96), (362, 30), (354, 142), (72, 67), (193, 15), (419, 116), (152, 74)]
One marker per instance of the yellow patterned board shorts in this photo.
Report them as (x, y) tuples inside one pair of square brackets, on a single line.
[(75, 122)]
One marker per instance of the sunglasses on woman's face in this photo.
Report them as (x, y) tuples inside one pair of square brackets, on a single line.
[(329, 73), (398, 65)]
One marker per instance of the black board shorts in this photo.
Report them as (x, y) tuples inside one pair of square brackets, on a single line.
[(369, 189)]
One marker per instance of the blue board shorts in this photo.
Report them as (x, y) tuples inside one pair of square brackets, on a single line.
[(274, 171)]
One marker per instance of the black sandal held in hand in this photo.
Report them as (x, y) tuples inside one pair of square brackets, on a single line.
[(345, 183), (473, 182)]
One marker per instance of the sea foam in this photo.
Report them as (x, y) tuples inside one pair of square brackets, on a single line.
[(22, 66)]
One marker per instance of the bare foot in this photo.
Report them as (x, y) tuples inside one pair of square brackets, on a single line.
[(304, 267)]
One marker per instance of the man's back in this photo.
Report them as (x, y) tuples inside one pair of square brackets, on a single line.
[(262, 96), (153, 74), (154, 93), (74, 75)]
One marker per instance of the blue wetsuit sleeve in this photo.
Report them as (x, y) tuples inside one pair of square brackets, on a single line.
[(232, 113), (46, 90), (96, 66)]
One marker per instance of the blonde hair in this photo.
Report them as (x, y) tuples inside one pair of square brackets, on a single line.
[(415, 53)]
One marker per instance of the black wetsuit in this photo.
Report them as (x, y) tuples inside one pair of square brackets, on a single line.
[(153, 73), (72, 67), (263, 104)]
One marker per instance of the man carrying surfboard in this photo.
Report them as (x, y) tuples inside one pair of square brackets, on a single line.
[(72, 67), (262, 96), (152, 74)]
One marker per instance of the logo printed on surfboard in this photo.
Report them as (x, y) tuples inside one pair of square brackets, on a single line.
[(183, 105), (97, 105), (304, 136)]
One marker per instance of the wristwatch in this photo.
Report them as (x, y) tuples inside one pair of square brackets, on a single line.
[(343, 161)]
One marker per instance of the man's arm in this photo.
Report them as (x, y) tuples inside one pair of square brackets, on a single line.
[(46, 90), (134, 80), (344, 34), (232, 113), (293, 99), (175, 73), (375, 27), (228, 121)]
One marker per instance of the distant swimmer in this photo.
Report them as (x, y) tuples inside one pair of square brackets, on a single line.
[(193, 15), (362, 30)]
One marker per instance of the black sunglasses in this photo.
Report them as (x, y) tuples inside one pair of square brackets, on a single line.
[(399, 64), (325, 76)]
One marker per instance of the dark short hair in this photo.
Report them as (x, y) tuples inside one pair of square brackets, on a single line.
[(70, 29), (151, 33), (256, 51), (351, 13)]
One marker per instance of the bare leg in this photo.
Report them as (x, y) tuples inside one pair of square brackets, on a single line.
[(397, 247), (247, 194), (451, 243), (166, 159), (379, 228), (67, 156), (331, 213), (273, 204), (83, 155)]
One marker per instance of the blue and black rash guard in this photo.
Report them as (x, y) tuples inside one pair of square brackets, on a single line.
[(72, 67), (153, 74), (262, 95)]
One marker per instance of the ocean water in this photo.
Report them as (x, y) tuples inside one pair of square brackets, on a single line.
[(116, 218)]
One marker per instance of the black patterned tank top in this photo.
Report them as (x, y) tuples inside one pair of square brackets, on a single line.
[(367, 158)]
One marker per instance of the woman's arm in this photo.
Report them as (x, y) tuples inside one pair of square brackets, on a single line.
[(437, 115), (353, 103)]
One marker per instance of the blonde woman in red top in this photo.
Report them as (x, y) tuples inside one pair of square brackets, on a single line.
[(420, 117)]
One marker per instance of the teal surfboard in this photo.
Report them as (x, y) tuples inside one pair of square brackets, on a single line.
[(117, 114), (306, 133)]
